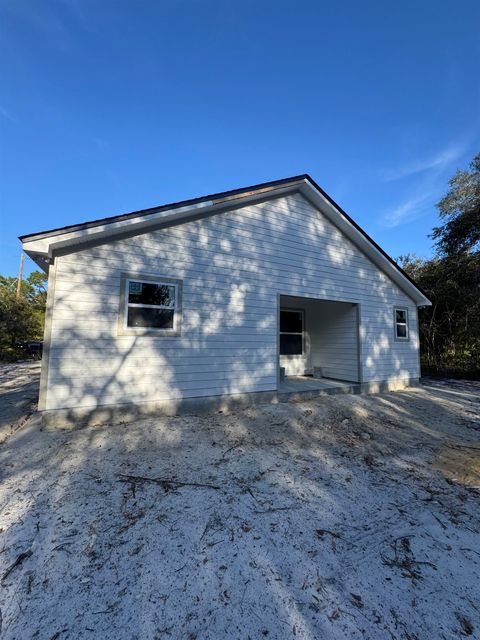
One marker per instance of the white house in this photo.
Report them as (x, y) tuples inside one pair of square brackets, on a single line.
[(209, 301)]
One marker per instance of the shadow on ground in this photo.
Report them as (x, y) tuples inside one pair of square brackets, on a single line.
[(333, 518), (19, 384)]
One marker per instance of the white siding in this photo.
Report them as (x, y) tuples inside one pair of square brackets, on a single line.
[(233, 266), (334, 340)]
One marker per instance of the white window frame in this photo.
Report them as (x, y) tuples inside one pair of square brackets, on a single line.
[(292, 333), (396, 324), (125, 329)]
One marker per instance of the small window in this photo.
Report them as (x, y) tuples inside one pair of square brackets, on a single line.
[(401, 323), (291, 332), (149, 306)]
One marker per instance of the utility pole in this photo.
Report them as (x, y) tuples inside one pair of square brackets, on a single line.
[(20, 272)]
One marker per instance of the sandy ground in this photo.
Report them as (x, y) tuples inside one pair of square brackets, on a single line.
[(344, 517), (18, 395)]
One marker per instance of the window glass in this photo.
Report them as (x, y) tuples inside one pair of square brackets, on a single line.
[(401, 324), (150, 317), (291, 332), (291, 321), (151, 293), (291, 344), (401, 330), (150, 305)]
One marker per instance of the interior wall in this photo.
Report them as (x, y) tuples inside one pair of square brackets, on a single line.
[(331, 339)]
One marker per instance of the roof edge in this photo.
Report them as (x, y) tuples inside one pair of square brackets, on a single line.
[(221, 198), (366, 235), (174, 205)]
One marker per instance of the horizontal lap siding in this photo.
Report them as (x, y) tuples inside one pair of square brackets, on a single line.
[(334, 341), (233, 266)]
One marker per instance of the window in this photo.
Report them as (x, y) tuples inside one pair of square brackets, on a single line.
[(291, 332), (149, 306), (401, 323)]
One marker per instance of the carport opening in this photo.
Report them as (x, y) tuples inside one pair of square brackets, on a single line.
[(318, 340)]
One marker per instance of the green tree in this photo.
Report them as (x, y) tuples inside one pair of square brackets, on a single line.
[(460, 211), (450, 328), (21, 318)]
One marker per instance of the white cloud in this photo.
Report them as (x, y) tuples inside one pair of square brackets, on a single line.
[(413, 208), (440, 162), (6, 114), (429, 181)]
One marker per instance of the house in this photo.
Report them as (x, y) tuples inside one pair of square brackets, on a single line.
[(213, 300)]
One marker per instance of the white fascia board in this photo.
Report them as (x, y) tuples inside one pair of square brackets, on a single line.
[(46, 245), (42, 249)]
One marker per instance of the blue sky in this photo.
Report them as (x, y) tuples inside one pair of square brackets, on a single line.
[(112, 106)]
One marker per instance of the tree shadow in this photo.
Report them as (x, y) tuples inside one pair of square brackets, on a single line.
[(307, 503), (310, 497), (233, 266)]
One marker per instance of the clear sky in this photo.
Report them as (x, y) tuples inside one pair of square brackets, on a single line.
[(108, 106)]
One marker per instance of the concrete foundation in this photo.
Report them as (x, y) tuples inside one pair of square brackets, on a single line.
[(118, 414)]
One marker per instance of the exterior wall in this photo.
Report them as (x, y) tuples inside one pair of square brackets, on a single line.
[(334, 340), (233, 266)]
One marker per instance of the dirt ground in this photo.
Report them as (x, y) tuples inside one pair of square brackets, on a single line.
[(344, 517)]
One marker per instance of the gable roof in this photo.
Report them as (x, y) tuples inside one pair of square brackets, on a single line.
[(44, 245)]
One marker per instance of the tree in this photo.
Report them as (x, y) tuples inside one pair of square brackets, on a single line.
[(450, 328), (33, 288), (460, 209), (21, 318)]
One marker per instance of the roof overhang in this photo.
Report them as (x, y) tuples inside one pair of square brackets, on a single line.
[(44, 246)]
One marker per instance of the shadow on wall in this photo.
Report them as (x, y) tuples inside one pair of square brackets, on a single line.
[(232, 267)]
